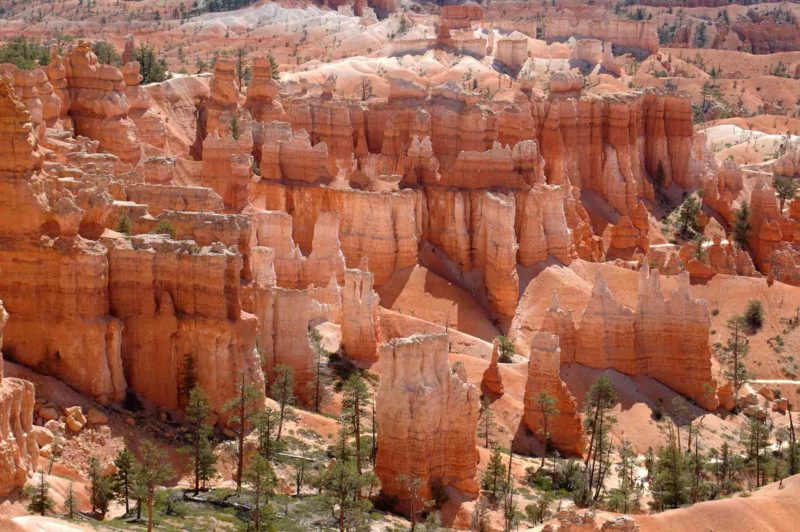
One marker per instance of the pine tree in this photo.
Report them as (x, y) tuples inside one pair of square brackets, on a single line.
[(494, 478), (56, 449), (355, 403), (505, 349), (274, 68), (669, 486), (95, 478), (546, 407), (122, 480), (265, 423), (282, 391), (203, 459), (786, 188), (621, 498), (599, 400), (341, 491), (242, 407), (736, 350), (261, 478), (755, 439), (411, 485), (486, 421), (242, 70), (153, 471), (70, 502), (317, 388), (39, 495), (741, 224), (687, 216)]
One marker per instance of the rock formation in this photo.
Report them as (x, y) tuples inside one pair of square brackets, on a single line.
[(565, 428), (492, 382), (360, 326), (428, 418), (19, 451), (99, 107)]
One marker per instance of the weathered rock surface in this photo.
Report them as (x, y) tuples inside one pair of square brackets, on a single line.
[(19, 451), (361, 332), (99, 107), (565, 429), (428, 418)]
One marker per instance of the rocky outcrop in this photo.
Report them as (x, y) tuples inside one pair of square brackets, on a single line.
[(99, 107), (56, 72), (227, 167), (665, 339), (19, 451), (565, 429), (428, 418), (223, 102), (492, 382), (631, 34), (672, 338), (149, 125), (262, 93), (178, 301), (361, 333), (289, 155), (45, 264)]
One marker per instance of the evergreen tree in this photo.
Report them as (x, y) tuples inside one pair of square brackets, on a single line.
[(741, 224), (317, 387), (274, 68), (546, 407), (69, 502), (735, 351), (39, 495), (486, 421), (505, 349), (355, 404), (122, 480), (621, 498), (242, 407), (153, 471), (188, 377), (265, 423), (599, 400), (415, 502), (200, 448), (786, 188), (755, 439), (242, 69), (95, 480), (341, 491), (106, 53), (687, 216), (283, 392), (670, 485), (56, 449), (152, 68), (261, 478), (494, 478)]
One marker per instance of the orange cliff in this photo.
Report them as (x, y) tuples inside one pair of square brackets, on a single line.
[(19, 451), (428, 418)]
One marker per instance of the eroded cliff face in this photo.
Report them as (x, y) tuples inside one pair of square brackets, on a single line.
[(178, 301), (361, 332), (18, 449), (666, 339), (46, 264), (428, 418)]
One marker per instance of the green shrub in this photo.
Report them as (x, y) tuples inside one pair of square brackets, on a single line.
[(754, 314), (163, 227), (124, 225)]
